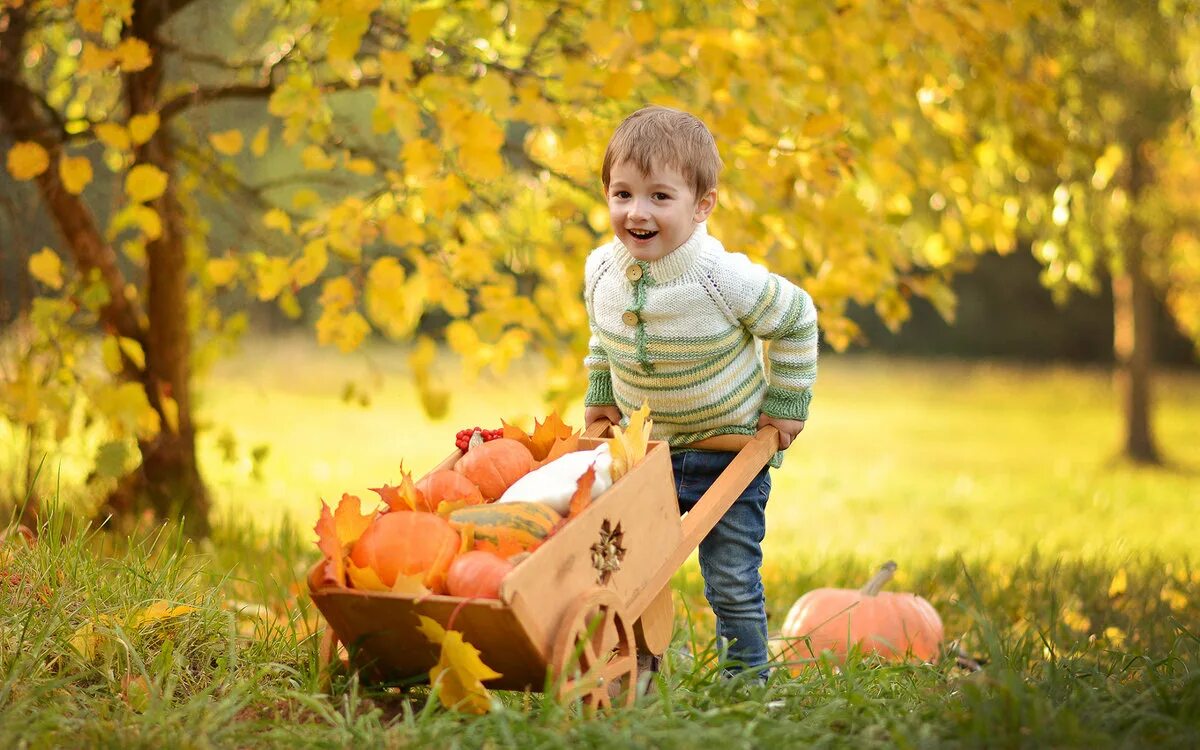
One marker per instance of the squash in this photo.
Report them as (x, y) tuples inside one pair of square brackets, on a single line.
[(408, 543), (447, 486), (477, 575), (895, 626), (494, 465), (507, 529), (554, 483)]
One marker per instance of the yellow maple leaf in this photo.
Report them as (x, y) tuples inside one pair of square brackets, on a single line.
[(272, 275), (459, 672), (420, 24), (312, 261), (336, 531), (145, 182), (422, 158), (143, 127), (46, 267), (227, 142), (315, 159), (76, 173), (133, 54), (27, 160)]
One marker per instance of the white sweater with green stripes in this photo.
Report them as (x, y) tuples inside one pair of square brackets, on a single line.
[(683, 333)]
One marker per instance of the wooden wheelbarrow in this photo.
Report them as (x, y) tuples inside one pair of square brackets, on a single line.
[(571, 617)]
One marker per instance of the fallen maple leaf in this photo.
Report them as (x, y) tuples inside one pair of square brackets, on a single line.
[(545, 438), (459, 672), (87, 638)]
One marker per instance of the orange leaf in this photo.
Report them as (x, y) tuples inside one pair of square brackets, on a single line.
[(349, 521), (561, 447), (583, 492), (545, 435), (405, 496), (333, 571)]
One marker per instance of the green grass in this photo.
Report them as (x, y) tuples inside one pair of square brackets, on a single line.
[(994, 487)]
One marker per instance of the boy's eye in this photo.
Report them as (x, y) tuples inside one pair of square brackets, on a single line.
[(661, 197), (621, 194)]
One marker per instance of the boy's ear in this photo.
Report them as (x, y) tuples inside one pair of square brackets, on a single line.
[(705, 206)]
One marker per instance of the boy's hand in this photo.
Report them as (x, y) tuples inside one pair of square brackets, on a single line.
[(788, 428), (592, 413)]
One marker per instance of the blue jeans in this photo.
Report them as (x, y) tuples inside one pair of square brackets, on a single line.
[(731, 554)]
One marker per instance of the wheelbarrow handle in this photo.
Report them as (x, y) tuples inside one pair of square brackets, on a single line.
[(730, 443)]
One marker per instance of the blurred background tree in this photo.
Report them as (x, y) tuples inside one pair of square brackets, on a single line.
[(428, 173)]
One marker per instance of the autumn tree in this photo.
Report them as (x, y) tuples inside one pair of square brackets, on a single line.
[(419, 162), (1120, 201)]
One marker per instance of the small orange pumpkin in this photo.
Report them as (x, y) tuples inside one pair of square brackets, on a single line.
[(448, 486), (494, 466), (405, 543), (477, 574), (894, 625)]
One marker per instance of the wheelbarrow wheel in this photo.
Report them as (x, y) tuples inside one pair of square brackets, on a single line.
[(595, 653)]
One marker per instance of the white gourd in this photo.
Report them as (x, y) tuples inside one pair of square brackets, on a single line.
[(555, 483)]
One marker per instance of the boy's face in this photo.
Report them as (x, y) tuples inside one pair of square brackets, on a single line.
[(654, 214)]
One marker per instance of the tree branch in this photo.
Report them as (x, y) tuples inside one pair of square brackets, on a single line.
[(200, 95)]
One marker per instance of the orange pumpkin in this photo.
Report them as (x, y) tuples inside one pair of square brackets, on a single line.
[(477, 574), (494, 466), (894, 625), (447, 486), (405, 543)]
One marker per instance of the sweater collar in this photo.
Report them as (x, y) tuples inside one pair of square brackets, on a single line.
[(672, 265)]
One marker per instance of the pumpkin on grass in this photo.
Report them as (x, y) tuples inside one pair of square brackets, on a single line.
[(477, 574), (407, 543), (894, 625), (495, 465)]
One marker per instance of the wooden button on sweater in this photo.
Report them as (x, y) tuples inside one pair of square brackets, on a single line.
[(634, 272), (630, 318)]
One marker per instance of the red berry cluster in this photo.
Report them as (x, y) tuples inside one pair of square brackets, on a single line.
[(462, 438)]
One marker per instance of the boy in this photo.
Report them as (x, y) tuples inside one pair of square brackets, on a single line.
[(675, 321)]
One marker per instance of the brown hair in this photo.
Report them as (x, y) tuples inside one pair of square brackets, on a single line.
[(661, 136)]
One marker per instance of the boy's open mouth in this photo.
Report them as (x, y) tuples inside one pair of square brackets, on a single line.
[(642, 234)]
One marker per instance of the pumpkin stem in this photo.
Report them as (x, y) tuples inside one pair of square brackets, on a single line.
[(476, 440), (880, 579)]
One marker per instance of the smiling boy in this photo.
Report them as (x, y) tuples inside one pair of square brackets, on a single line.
[(676, 322)]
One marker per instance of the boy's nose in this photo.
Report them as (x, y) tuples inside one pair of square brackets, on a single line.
[(638, 210)]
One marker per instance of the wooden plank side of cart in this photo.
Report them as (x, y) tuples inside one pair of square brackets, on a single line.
[(639, 510)]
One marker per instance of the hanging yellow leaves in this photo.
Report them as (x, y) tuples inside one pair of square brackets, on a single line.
[(143, 127), (76, 173), (227, 142), (27, 160), (145, 182), (459, 673), (46, 267)]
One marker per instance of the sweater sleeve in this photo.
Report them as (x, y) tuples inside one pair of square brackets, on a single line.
[(599, 391), (772, 308)]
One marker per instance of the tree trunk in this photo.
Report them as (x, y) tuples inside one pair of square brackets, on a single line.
[(1133, 330), (168, 482)]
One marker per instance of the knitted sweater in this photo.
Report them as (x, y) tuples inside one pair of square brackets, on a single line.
[(682, 332)]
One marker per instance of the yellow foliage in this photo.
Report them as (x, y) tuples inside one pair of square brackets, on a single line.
[(133, 54), (145, 182), (143, 127), (113, 135), (76, 173), (46, 267), (27, 160), (227, 142)]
